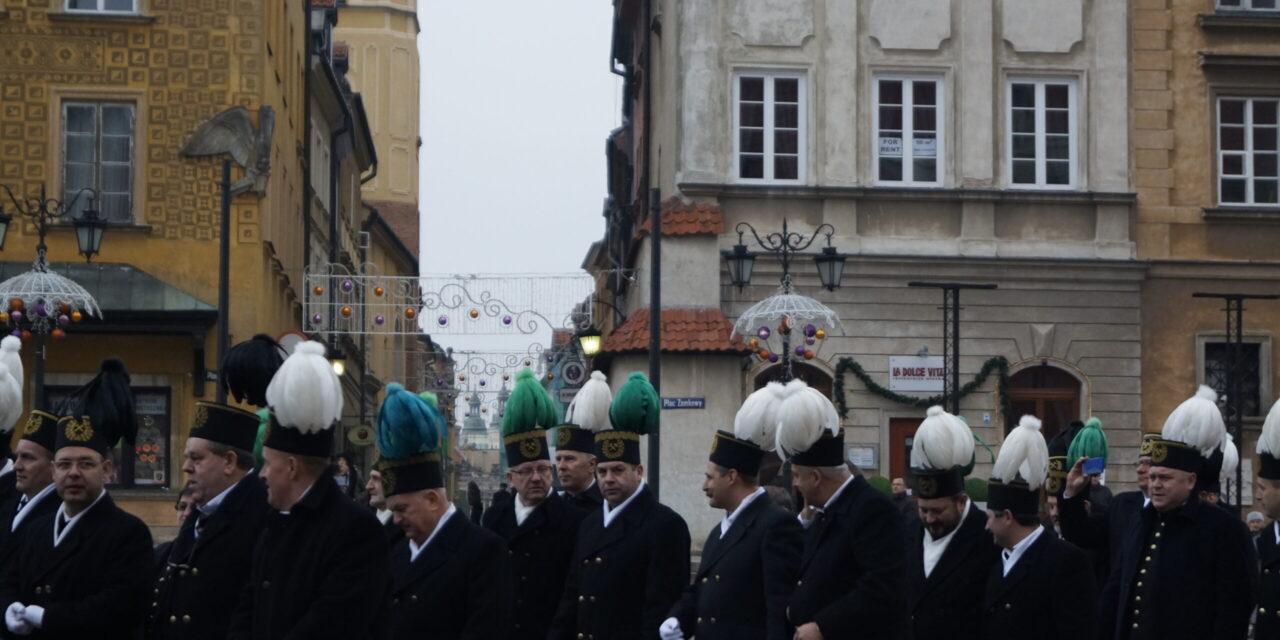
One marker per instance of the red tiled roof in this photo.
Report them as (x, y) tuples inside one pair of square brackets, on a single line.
[(687, 218), (683, 330)]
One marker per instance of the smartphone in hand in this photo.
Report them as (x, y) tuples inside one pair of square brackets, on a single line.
[(1094, 466)]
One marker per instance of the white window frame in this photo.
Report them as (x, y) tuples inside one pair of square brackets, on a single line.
[(908, 129), (1073, 132), (67, 7), (1248, 175), (1245, 5), (802, 124), (97, 158)]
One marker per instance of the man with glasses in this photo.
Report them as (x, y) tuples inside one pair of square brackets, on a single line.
[(1103, 532), (539, 526)]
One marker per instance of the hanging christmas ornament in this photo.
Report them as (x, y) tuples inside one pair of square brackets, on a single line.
[(379, 320), (753, 343), (528, 363), (26, 335), (347, 286), (474, 313), (4, 317), (15, 304), (773, 357), (439, 382), (63, 320), (346, 312), (16, 315), (378, 291), (809, 330), (506, 376), (76, 316), (410, 313), (41, 311), (64, 307), (462, 377), (442, 320), (764, 353), (551, 376), (319, 290), (799, 351), (482, 383), (809, 341), (59, 334), (506, 319), (808, 354), (764, 333), (820, 334), (317, 319)]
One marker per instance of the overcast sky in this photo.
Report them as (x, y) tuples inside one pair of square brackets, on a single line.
[(517, 100)]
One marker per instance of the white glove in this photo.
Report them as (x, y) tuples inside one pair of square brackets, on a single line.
[(670, 630), (34, 614), (14, 621)]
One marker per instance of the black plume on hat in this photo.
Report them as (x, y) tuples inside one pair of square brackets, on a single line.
[(107, 402), (247, 368)]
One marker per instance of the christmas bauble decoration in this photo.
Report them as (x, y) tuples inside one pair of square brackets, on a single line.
[(808, 354), (64, 307), (76, 316), (379, 320), (506, 319), (26, 335), (346, 312), (317, 319), (16, 316), (820, 334), (442, 320), (319, 290), (410, 313), (773, 357), (809, 330), (59, 334), (15, 304), (763, 333), (63, 320), (809, 341), (800, 351), (378, 291), (474, 313), (347, 286)]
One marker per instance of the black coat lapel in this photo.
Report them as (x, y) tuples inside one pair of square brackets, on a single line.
[(85, 526), (741, 525), (1021, 570), (437, 553), (828, 521), (634, 513), (970, 532)]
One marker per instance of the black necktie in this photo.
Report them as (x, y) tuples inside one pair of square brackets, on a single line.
[(22, 502), (62, 523)]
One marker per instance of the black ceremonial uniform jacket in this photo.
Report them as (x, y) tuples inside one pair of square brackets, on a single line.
[(853, 575), (741, 590), (1103, 531), (458, 588), (11, 538), (624, 578), (8, 484), (1198, 583), (201, 578), (318, 572), (92, 585), (539, 550), (1050, 593), (588, 500), (1268, 620), (948, 603)]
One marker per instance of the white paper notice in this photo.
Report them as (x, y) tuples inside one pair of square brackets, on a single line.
[(891, 146)]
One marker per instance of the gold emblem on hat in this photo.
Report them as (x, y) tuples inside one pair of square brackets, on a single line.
[(531, 448), (388, 481), (1053, 484), (562, 437), (613, 448), (928, 487), (202, 416), (79, 430), (1159, 451), (715, 442), (34, 423)]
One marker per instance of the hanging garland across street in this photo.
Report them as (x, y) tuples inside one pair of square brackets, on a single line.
[(998, 364)]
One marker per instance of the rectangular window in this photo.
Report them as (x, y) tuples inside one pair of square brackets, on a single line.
[(1042, 133), (908, 145), (1216, 374), (103, 6), (144, 463), (1248, 151), (769, 127), (97, 152), (1248, 5)]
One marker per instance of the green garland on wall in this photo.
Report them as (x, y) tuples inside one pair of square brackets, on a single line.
[(999, 365)]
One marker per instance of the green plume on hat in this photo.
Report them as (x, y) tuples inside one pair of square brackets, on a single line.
[(430, 398), (530, 407), (1090, 442), (635, 407)]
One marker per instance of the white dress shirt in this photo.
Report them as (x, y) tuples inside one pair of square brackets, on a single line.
[(933, 549), (384, 515), (610, 514), (1011, 556), (31, 504), (742, 506), (58, 536), (830, 501), (522, 512), (414, 549)]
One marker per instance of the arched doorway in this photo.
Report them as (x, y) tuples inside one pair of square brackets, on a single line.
[(1048, 393), (771, 470)]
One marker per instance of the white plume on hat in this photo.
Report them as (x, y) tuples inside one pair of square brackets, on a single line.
[(305, 393), (590, 407), (1269, 441), (757, 420), (1197, 422), (1230, 457), (803, 417), (942, 441), (10, 400), (10, 355), (1024, 452)]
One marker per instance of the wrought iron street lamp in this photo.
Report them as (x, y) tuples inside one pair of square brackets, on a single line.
[(589, 340), (44, 211), (785, 245)]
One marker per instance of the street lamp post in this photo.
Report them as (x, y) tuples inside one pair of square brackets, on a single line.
[(951, 336), (786, 245), (44, 211)]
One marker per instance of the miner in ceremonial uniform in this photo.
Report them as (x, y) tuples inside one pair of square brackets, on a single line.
[(37, 495), (1267, 493), (84, 571), (1104, 532), (631, 561), (209, 562), (950, 555), (575, 444), (10, 410), (539, 527), (1187, 569), (1041, 587), (450, 579), (319, 569), (853, 571), (751, 558)]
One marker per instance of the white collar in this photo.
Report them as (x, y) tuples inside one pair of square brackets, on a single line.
[(742, 506), (71, 522), (1011, 556), (933, 549), (1276, 526), (31, 504), (834, 496), (209, 508), (1146, 502), (304, 494), (522, 512), (414, 549), (611, 513), (7, 468), (964, 513), (384, 515)]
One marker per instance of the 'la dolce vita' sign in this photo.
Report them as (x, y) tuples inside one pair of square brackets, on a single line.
[(915, 373)]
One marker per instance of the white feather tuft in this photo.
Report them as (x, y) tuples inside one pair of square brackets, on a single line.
[(1197, 422), (11, 356), (10, 400), (1230, 458), (1024, 452), (1269, 441), (590, 407), (305, 393), (757, 420), (942, 441), (802, 418)]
